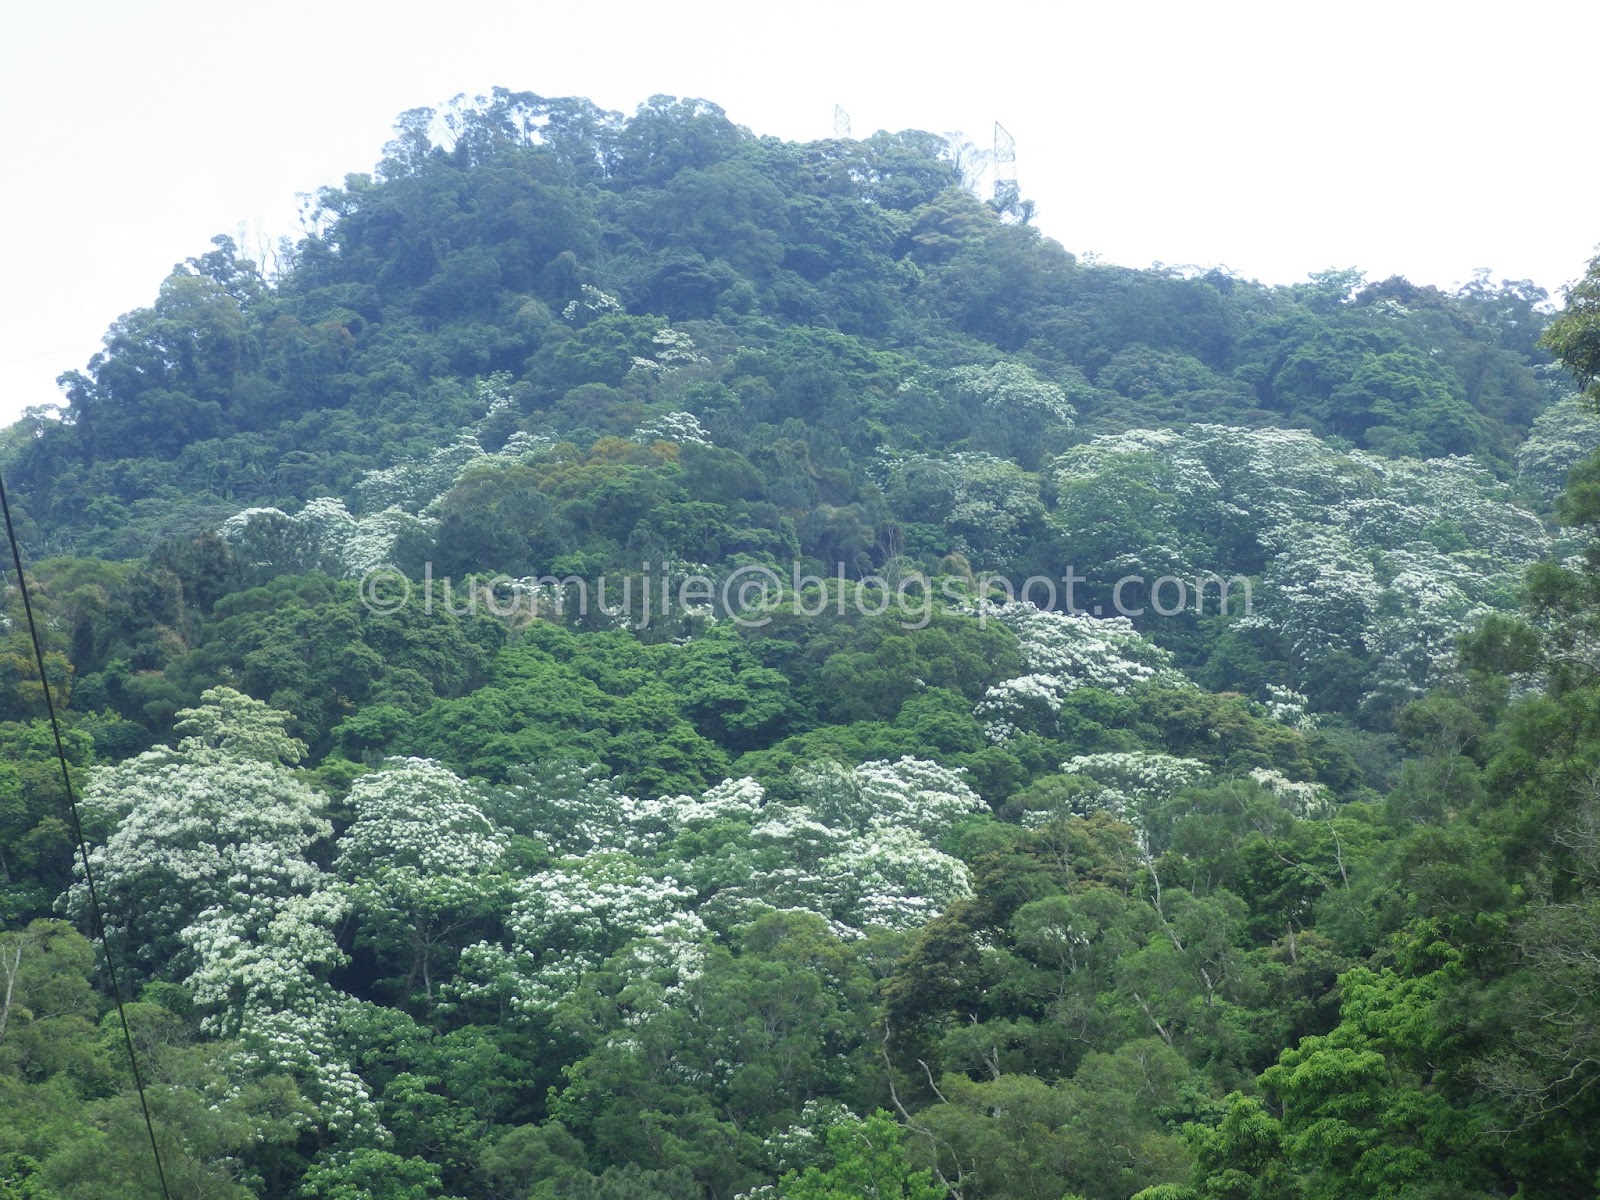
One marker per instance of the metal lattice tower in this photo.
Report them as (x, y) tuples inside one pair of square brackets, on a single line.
[(1006, 193), (841, 122)]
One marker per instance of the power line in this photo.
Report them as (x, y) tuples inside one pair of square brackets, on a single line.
[(83, 846)]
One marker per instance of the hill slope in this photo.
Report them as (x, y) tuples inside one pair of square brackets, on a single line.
[(430, 887)]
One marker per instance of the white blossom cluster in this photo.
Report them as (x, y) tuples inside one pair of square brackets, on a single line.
[(1064, 651), (372, 543), (1318, 590), (261, 983), (323, 536), (213, 848), (306, 1043), (571, 809), (591, 302), (411, 486), (681, 427), (661, 965), (1308, 801), (1131, 778), (269, 539), (522, 445), (568, 919), (1128, 785), (672, 348), (649, 824), (1563, 435), (1413, 629), (594, 903), (1363, 554), (912, 794), (1460, 491), (802, 1144), (419, 853), (1010, 389), (494, 393), (986, 502), (1289, 707), (395, 502), (794, 866), (416, 814), (199, 830), (858, 849), (892, 877), (215, 845), (262, 959)]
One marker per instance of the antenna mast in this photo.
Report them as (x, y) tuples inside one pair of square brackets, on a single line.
[(841, 122), (1006, 193)]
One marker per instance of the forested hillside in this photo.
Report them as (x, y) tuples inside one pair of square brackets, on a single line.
[(868, 871)]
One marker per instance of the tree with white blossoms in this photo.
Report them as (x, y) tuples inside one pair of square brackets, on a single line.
[(681, 427), (323, 536), (396, 503), (1354, 552), (994, 507), (887, 870), (1122, 508), (789, 863), (1318, 591), (568, 807), (219, 821), (209, 871), (235, 724), (650, 879), (1464, 495), (635, 894), (1414, 627), (267, 958), (1288, 707), (1062, 652), (1563, 435), (1129, 785), (859, 848), (420, 863), (591, 303), (670, 349), (913, 794), (893, 878), (376, 536), (261, 982), (568, 919), (832, 1154), (650, 825), (268, 541), (989, 508), (1015, 414), (1307, 801), (412, 485)]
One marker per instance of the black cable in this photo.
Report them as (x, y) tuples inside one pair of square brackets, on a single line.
[(83, 846)]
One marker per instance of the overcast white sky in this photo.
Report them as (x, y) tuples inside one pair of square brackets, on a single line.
[(1425, 139)]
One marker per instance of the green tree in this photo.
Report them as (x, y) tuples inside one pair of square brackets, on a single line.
[(1574, 336), (867, 1159)]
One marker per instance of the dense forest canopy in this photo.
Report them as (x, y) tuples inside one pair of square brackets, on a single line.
[(793, 898)]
